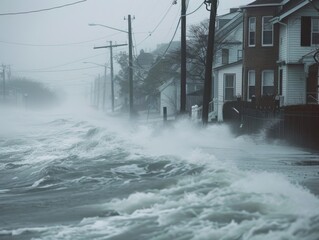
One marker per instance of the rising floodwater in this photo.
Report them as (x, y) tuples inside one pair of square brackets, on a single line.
[(88, 176)]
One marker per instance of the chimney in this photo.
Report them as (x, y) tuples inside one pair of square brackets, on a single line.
[(232, 10)]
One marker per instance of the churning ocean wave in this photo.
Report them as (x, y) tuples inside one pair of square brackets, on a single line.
[(89, 176)]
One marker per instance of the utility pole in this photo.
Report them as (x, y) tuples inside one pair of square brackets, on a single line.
[(112, 75), (183, 58), (130, 46), (92, 94), (97, 89), (111, 46), (130, 57), (209, 59), (4, 82), (104, 89)]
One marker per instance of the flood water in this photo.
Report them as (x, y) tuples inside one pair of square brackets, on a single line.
[(90, 176)]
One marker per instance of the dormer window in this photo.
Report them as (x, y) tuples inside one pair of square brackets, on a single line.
[(267, 34)]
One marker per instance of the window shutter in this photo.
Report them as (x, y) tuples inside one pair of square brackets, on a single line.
[(305, 31)]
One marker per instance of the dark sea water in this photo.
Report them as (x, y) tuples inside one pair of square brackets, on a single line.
[(88, 176)]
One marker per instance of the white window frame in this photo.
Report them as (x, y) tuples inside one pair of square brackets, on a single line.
[(234, 85), (250, 31), (272, 33), (249, 85), (263, 78), (313, 31)]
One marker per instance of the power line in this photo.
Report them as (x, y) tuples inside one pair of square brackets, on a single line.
[(55, 45), (162, 19), (168, 46), (159, 23), (65, 64), (195, 10), (170, 43), (48, 71), (42, 10)]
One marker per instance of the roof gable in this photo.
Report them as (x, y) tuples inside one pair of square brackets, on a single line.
[(262, 2), (289, 8), (223, 32)]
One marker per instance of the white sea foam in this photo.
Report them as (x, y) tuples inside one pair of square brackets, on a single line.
[(219, 201)]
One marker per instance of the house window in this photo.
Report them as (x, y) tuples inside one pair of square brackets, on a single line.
[(229, 85), (251, 84), (309, 34), (267, 35), (252, 32), (315, 31), (225, 56), (268, 79)]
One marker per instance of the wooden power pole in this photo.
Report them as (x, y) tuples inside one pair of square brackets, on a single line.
[(111, 46), (183, 58), (209, 59), (4, 82), (130, 59)]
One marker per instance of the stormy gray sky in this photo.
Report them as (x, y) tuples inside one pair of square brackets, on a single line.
[(51, 46)]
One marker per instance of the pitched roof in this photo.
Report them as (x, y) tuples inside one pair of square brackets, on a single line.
[(229, 65), (291, 4), (261, 2), (287, 6), (290, 7), (227, 28)]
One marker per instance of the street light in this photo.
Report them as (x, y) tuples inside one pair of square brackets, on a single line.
[(104, 85), (130, 48), (101, 25)]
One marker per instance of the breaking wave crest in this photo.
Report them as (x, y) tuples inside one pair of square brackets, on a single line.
[(105, 179)]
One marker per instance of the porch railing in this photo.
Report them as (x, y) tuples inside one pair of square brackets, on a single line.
[(197, 111)]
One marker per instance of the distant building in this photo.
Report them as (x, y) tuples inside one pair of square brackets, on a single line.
[(145, 60), (166, 47)]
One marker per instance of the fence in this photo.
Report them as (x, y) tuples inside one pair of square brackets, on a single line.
[(298, 124), (196, 113)]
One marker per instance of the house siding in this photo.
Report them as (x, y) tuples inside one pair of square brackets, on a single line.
[(296, 85), (294, 31), (291, 53), (283, 41), (170, 98), (219, 100)]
